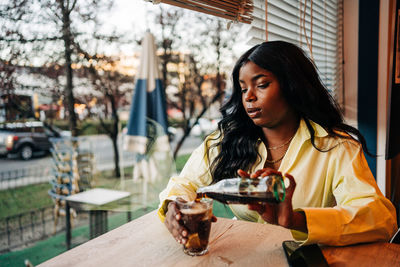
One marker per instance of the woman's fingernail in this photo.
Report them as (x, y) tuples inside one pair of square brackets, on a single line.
[(184, 233)]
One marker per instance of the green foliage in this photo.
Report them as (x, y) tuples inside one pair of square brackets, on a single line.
[(92, 127), (24, 199), (177, 123), (62, 124), (88, 127)]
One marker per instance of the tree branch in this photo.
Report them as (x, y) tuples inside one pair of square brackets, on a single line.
[(23, 40)]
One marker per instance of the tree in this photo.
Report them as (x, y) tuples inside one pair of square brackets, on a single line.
[(63, 14), (109, 83), (169, 20), (209, 45), (193, 101), (11, 53), (41, 28)]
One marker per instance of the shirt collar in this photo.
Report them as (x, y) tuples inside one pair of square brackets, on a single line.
[(304, 133), (300, 138)]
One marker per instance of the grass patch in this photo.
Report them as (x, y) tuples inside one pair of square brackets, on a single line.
[(222, 210), (181, 161), (24, 199)]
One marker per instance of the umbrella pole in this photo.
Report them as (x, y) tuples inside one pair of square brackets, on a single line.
[(145, 179), (144, 193), (121, 157)]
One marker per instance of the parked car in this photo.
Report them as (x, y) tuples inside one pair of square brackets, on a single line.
[(26, 138)]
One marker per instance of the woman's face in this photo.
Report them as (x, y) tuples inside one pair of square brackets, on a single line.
[(262, 98)]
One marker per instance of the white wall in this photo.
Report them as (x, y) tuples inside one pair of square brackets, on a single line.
[(350, 49), (386, 33)]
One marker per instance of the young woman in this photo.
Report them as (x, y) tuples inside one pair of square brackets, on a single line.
[(280, 118)]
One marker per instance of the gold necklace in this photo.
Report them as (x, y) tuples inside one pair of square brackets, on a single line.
[(277, 160), (274, 161), (284, 144)]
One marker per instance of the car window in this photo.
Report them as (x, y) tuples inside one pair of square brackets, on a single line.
[(24, 130), (38, 129)]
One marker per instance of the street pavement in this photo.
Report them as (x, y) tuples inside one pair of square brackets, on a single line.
[(101, 146)]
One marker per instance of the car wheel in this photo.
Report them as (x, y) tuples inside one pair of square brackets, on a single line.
[(26, 152)]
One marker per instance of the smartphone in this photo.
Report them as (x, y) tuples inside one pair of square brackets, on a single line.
[(396, 238), (303, 256)]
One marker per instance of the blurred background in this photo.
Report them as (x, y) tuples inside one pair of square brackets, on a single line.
[(68, 71)]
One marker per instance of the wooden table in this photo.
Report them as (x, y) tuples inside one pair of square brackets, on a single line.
[(146, 242), (374, 255), (93, 200)]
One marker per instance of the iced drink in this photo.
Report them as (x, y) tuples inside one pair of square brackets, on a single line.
[(196, 217)]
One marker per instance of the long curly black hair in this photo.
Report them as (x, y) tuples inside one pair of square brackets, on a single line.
[(303, 91)]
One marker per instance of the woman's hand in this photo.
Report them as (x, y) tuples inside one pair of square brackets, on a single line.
[(282, 213), (174, 224)]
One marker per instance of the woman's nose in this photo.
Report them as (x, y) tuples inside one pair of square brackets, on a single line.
[(250, 96)]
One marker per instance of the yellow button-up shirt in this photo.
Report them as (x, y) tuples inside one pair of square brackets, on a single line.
[(335, 189)]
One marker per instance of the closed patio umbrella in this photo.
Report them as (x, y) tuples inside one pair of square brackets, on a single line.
[(147, 124), (148, 100)]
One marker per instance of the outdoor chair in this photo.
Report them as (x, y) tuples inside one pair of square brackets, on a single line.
[(65, 176), (59, 207)]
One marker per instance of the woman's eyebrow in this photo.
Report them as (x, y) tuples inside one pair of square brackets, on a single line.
[(255, 77), (258, 77)]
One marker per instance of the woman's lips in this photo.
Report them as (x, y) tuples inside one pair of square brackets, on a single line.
[(253, 112)]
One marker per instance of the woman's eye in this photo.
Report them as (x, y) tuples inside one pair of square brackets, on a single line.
[(244, 90), (263, 85)]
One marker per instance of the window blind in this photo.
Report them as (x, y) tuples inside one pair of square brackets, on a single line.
[(314, 25), (236, 10)]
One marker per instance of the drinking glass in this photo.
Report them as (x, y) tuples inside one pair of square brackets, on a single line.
[(196, 217)]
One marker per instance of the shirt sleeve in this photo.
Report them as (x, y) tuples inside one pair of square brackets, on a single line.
[(195, 174), (362, 213)]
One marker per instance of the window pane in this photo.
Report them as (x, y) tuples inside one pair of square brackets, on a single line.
[(322, 25)]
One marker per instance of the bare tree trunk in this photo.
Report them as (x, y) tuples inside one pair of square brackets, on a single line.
[(114, 138), (68, 68), (117, 172), (114, 134), (188, 127)]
